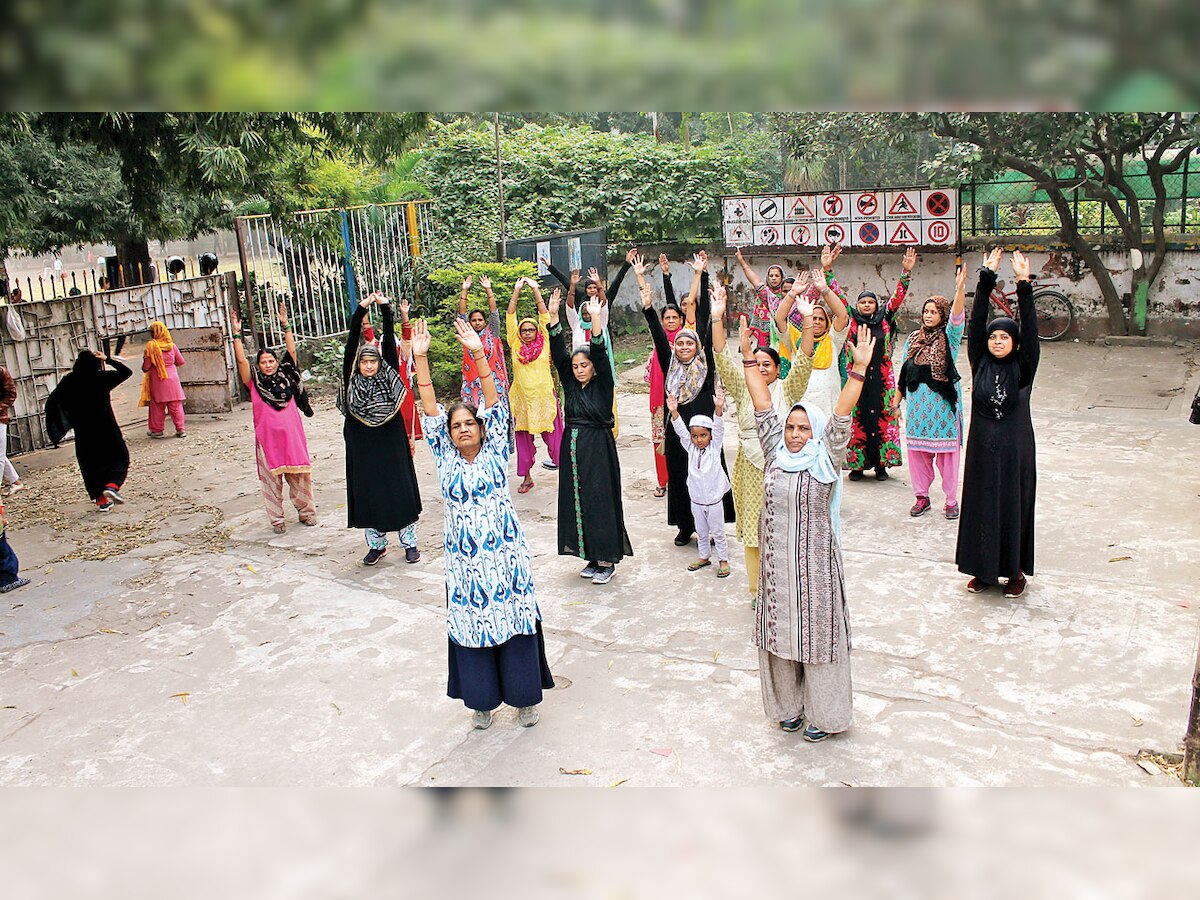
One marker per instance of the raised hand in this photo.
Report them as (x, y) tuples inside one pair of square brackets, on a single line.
[(235, 322), (555, 303), (698, 262), (545, 261), (992, 260), (647, 296), (485, 282), (382, 299), (910, 259), (420, 338), (594, 308), (960, 280), (283, 316), (630, 254), (366, 301), (467, 336), (639, 265), (803, 282), (830, 253), (719, 301), (467, 282), (737, 251), (404, 308), (745, 344), (593, 275), (532, 282), (574, 276), (805, 305), (1020, 264), (863, 349), (664, 263), (673, 405), (719, 398), (817, 277)]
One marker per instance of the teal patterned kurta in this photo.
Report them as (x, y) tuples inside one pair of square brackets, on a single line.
[(932, 425)]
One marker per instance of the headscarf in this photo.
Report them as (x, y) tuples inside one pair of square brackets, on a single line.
[(374, 399), (998, 382), (876, 317), (527, 353), (158, 345), (684, 380), (284, 385), (472, 389), (930, 358), (814, 458)]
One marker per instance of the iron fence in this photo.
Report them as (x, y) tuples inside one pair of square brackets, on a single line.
[(1015, 205), (318, 263)]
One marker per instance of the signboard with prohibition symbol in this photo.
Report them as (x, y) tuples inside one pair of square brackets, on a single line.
[(866, 219)]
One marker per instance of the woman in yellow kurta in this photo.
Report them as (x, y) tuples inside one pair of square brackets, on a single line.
[(532, 396), (749, 465)]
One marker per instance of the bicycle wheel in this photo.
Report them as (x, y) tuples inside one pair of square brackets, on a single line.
[(1054, 314)]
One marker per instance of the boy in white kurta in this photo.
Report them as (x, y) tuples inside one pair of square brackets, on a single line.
[(707, 481)]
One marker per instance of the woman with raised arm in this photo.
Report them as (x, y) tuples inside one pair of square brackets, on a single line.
[(381, 481), (785, 393), (591, 515), (875, 438), (533, 400), (691, 371), (686, 303), (801, 628), (767, 296), (83, 399), (830, 324), (495, 646), (930, 381), (672, 323), (277, 397), (995, 534)]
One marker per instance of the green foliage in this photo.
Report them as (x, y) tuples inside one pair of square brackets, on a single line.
[(574, 177), (327, 358)]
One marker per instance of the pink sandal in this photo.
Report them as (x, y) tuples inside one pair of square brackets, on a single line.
[(526, 487)]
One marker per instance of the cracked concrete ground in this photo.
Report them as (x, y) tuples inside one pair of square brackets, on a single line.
[(178, 641)]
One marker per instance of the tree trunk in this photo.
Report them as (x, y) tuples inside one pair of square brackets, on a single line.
[(1112, 300), (133, 261), (1191, 743)]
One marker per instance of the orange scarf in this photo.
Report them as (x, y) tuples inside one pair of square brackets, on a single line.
[(159, 344)]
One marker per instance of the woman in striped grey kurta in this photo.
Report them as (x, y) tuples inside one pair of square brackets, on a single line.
[(801, 627)]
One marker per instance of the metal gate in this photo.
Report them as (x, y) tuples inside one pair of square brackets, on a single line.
[(57, 330), (318, 263)]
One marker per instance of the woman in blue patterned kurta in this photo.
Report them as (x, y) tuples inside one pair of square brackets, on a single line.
[(496, 650), (930, 381)]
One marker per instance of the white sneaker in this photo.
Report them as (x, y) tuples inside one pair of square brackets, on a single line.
[(527, 716), (14, 487), (482, 719)]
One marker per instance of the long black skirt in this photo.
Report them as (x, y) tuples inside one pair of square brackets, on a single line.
[(103, 457), (381, 481), (515, 672), (995, 530), (591, 514)]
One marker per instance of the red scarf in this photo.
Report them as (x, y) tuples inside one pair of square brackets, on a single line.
[(527, 353)]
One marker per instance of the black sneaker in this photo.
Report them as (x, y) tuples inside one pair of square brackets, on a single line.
[(373, 556), (815, 735), (104, 505), (881, 474), (856, 475), (412, 554), (791, 725), (590, 571), (13, 585), (113, 495), (604, 574)]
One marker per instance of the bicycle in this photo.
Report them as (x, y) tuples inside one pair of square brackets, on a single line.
[(1054, 311)]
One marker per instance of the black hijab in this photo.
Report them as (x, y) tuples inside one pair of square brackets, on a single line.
[(998, 382)]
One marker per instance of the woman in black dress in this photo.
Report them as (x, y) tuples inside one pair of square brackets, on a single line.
[(82, 401), (591, 516), (690, 373), (381, 482), (995, 533)]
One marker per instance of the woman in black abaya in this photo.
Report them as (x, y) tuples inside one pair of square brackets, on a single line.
[(995, 533)]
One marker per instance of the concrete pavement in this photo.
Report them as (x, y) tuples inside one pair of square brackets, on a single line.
[(178, 641)]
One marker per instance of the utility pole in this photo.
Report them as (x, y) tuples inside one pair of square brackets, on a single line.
[(500, 185)]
